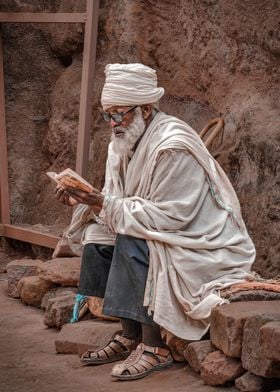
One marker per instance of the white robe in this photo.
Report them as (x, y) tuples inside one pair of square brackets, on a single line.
[(176, 196)]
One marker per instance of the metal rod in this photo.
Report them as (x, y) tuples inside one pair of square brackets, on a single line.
[(4, 177), (89, 55)]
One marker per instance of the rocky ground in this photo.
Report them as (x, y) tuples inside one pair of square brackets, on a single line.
[(29, 363)]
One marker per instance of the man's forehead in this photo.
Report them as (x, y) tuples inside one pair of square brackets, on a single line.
[(114, 109)]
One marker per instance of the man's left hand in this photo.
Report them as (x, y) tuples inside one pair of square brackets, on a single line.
[(94, 199)]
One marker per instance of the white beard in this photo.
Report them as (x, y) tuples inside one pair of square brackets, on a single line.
[(124, 145)]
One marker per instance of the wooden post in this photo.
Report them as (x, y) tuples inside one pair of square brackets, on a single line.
[(89, 54), (4, 178)]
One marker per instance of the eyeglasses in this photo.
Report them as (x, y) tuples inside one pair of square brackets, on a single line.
[(117, 117)]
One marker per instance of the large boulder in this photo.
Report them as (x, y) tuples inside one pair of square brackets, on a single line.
[(64, 271), (17, 269)]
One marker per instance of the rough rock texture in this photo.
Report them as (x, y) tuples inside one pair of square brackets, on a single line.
[(221, 59), (176, 345), (17, 269), (196, 352), (251, 383), (59, 310), (95, 305), (78, 337), (227, 323), (253, 295), (270, 340), (32, 289), (64, 271), (218, 369), (56, 292), (252, 358)]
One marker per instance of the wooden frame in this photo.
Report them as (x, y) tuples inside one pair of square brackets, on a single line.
[(90, 19)]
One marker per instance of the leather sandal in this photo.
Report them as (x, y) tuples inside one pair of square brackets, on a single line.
[(118, 348), (141, 362)]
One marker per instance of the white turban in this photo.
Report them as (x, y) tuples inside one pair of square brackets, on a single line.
[(130, 84)]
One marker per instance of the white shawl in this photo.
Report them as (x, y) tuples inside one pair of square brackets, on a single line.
[(176, 196)]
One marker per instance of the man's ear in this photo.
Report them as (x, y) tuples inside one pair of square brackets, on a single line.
[(146, 111)]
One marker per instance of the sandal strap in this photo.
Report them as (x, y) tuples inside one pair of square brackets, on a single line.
[(116, 344), (142, 359), (163, 352)]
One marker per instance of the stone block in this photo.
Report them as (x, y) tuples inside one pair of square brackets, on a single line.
[(227, 323), (78, 337), (252, 356), (249, 382), (32, 289), (218, 369), (196, 352), (176, 345), (252, 295), (95, 306), (56, 292), (270, 340), (18, 269), (59, 310), (64, 271)]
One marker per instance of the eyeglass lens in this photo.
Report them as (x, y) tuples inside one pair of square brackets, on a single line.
[(117, 117)]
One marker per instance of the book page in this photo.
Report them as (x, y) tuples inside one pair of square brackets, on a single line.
[(68, 178)]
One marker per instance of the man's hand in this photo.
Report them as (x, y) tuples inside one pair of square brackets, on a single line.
[(64, 196), (94, 199)]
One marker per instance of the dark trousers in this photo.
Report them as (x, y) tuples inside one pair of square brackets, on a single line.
[(118, 274)]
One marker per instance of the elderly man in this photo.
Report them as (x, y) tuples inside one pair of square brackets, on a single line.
[(164, 236)]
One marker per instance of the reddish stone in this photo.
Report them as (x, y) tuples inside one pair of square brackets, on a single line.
[(78, 337), (218, 369), (59, 310), (227, 323), (64, 271), (270, 340), (196, 352), (18, 269), (252, 356), (251, 383), (95, 306), (32, 289)]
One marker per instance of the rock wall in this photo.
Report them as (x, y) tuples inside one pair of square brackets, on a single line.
[(213, 57)]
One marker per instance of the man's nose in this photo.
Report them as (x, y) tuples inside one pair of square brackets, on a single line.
[(113, 123)]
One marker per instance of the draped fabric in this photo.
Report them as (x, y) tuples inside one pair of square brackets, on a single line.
[(130, 84), (173, 194)]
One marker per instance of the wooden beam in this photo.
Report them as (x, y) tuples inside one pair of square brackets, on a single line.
[(4, 178), (36, 17), (28, 235), (89, 54)]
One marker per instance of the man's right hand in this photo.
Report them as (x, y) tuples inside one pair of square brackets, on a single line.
[(62, 195)]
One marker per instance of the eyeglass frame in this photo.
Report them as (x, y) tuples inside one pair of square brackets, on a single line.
[(117, 117)]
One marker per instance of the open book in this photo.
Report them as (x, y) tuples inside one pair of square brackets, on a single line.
[(69, 178)]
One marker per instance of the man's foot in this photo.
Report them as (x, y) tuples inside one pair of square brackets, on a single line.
[(141, 362), (118, 348)]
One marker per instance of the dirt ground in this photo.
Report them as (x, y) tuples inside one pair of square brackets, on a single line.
[(29, 363)]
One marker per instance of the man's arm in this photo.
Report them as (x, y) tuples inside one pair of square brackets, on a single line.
[(177, 190)]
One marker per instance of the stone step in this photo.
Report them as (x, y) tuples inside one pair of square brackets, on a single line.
[(78, 337), (227, 323), (63, 270)]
